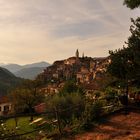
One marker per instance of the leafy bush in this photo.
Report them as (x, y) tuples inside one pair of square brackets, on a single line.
[(71, 87), (67, 105), (92, 112), (97, 110), (110, 94)]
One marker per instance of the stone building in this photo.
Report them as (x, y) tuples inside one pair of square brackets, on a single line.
[(5, 106)]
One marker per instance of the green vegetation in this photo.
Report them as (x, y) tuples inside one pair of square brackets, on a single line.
[(132, 3), (26, 97), (75, 111), (66, 107), (125, 62), (71, 87), (8, 128), (23, 124), (69, 106)]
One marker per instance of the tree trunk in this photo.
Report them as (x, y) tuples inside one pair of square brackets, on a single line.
[(31, 114), (126, 94), (16, 121)]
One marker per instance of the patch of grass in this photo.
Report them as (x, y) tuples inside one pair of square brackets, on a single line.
[(23, 124)]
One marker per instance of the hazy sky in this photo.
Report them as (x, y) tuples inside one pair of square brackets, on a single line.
[(49, 30)]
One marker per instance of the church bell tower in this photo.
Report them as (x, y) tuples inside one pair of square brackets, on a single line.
[(77, 53)]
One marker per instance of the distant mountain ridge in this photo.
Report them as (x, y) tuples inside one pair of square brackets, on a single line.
[(38, 64), (28, 71), (16, 67), (12, 67)]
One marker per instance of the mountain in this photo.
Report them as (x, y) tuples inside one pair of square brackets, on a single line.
[(15, 67), (12, 67), (39, 64), (29, 73), (1, 64), (7, 81)]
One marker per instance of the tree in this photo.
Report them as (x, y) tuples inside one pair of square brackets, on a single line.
[(134, 49), (125, 62), (26, 97), (92, 112), (71, 87), (119, 66), (132, 3), (68, 105)]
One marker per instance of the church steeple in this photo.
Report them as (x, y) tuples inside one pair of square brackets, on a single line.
[(77, 53), (83, 55)]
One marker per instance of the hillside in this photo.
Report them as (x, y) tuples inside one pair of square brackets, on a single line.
[(7, 81), (116, 127), (29, 73), (85, 71)]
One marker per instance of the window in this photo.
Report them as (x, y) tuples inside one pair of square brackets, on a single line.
[(6, 108)]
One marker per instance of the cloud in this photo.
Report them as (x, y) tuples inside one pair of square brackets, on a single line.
[(37, 30)]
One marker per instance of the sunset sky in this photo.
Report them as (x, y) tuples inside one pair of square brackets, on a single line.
[(49, 30)]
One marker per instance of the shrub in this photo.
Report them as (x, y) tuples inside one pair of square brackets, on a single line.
[(67, 105), (92, 112)]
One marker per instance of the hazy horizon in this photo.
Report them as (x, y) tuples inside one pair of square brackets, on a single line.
[(3, 64), (49, 30)]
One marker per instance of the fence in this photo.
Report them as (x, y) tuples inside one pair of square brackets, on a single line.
[(57, 122)]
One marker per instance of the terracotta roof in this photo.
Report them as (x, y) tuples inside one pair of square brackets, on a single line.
[(73, 57), (91, 86), (59, 62), (4, 99)]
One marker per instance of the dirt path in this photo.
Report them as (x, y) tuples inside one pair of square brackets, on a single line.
[(118, 127)]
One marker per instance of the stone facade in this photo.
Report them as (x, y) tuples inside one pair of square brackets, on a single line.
[(5, 106)]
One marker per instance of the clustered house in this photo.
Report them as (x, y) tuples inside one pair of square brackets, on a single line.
[(83, 69), (5, 106)]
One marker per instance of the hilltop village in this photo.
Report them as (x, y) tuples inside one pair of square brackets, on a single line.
[(83, 70)]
